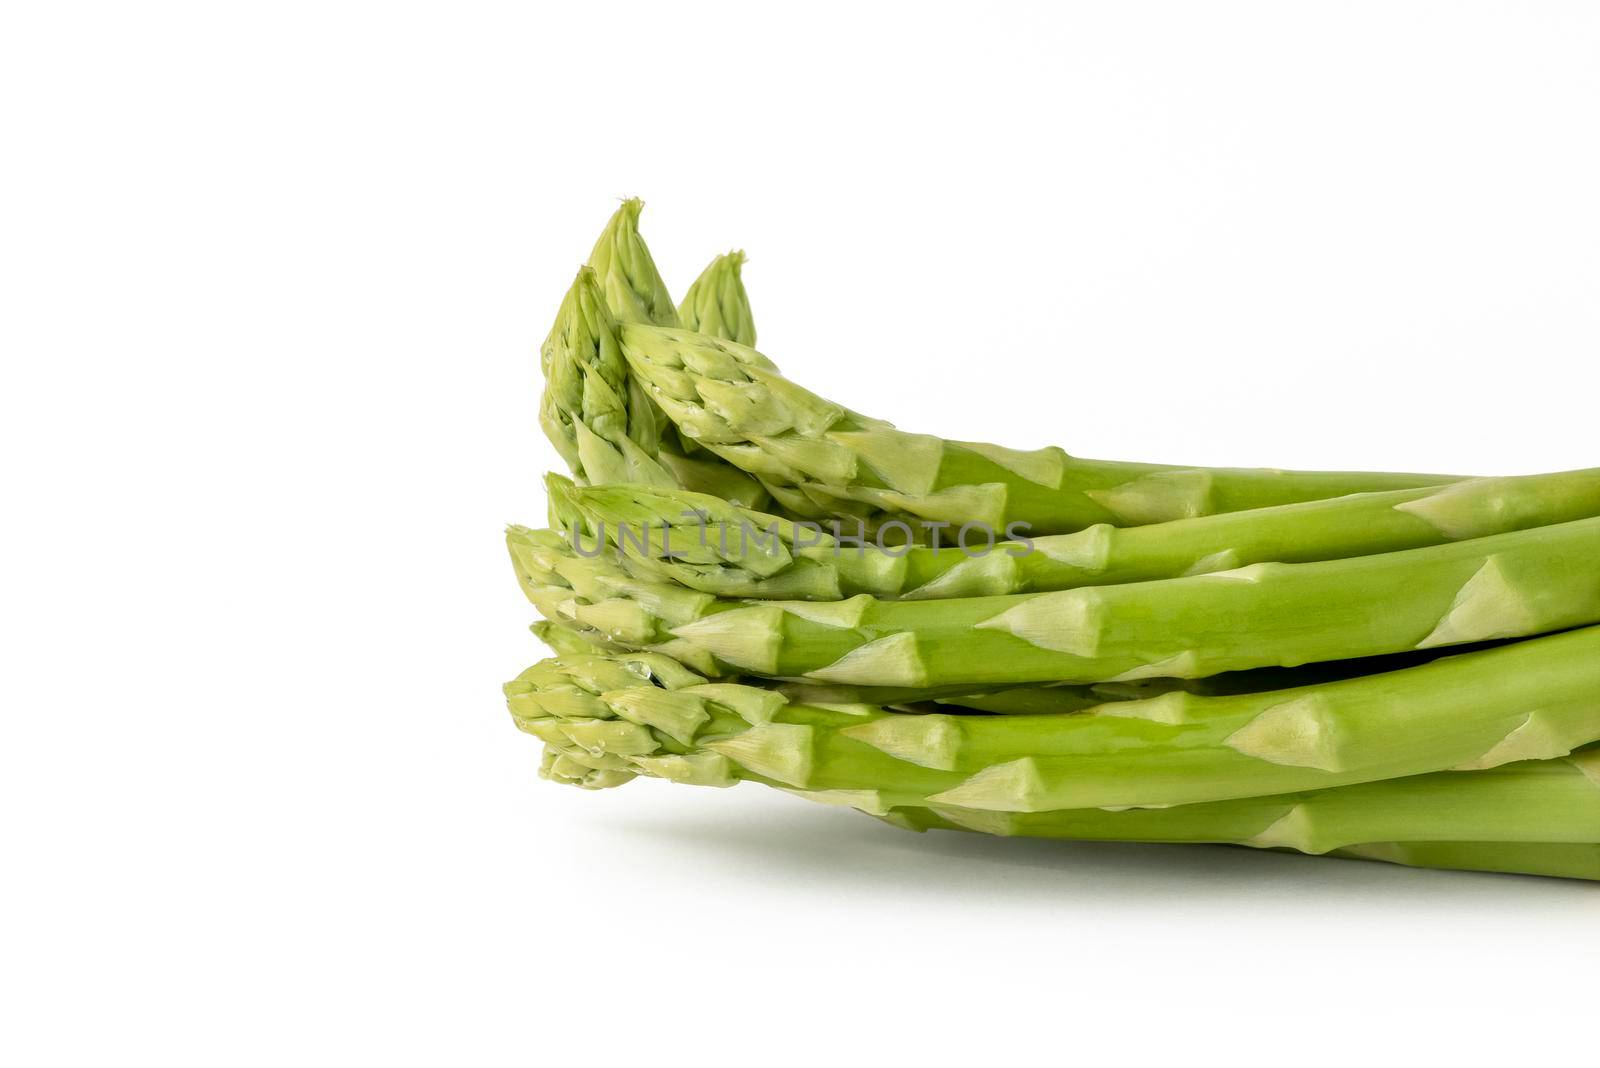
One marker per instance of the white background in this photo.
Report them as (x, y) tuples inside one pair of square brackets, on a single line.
[(274, 276)]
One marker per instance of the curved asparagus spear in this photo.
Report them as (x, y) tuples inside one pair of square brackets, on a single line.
[(636, 294), (585, 410), (597, 415), (601, 421), (717, 304), (1505, 586), (821, 460), (709, 545), (1527, 701)]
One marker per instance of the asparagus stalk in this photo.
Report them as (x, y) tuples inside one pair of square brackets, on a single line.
[(1560, 861), (1060, 697), (1043, 699), (1531, 700), (1311, 821), (1542, 801), (717, 304), (1563, 860), (707, 544), (1551, 813), (820, 460), (1533, 801), (1048, 699), (1505, 586)]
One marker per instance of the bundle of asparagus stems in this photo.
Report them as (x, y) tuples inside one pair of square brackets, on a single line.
[(743, 581)]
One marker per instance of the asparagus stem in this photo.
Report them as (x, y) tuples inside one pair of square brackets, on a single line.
[(1044, 699), (1072, 697), (1537, 801), (1303, 825), (1548, 812), (1532, 801), (717, 304), (820, 460), (1561, 861), (709, 545), (1508, 585), (1531, 700)]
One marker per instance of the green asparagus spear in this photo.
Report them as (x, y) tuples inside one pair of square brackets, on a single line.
[(1546, 801), (586, 411), (636, 294), (1050, 698), (627, 272), (1530, 700), (600, 420), (710, 545), (1505, 586), (566, 641), (598, 416), (1550, 810), (1042, 699), (717, 304), (820, 460)]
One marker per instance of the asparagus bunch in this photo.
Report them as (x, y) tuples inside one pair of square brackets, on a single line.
[(749, 583)]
